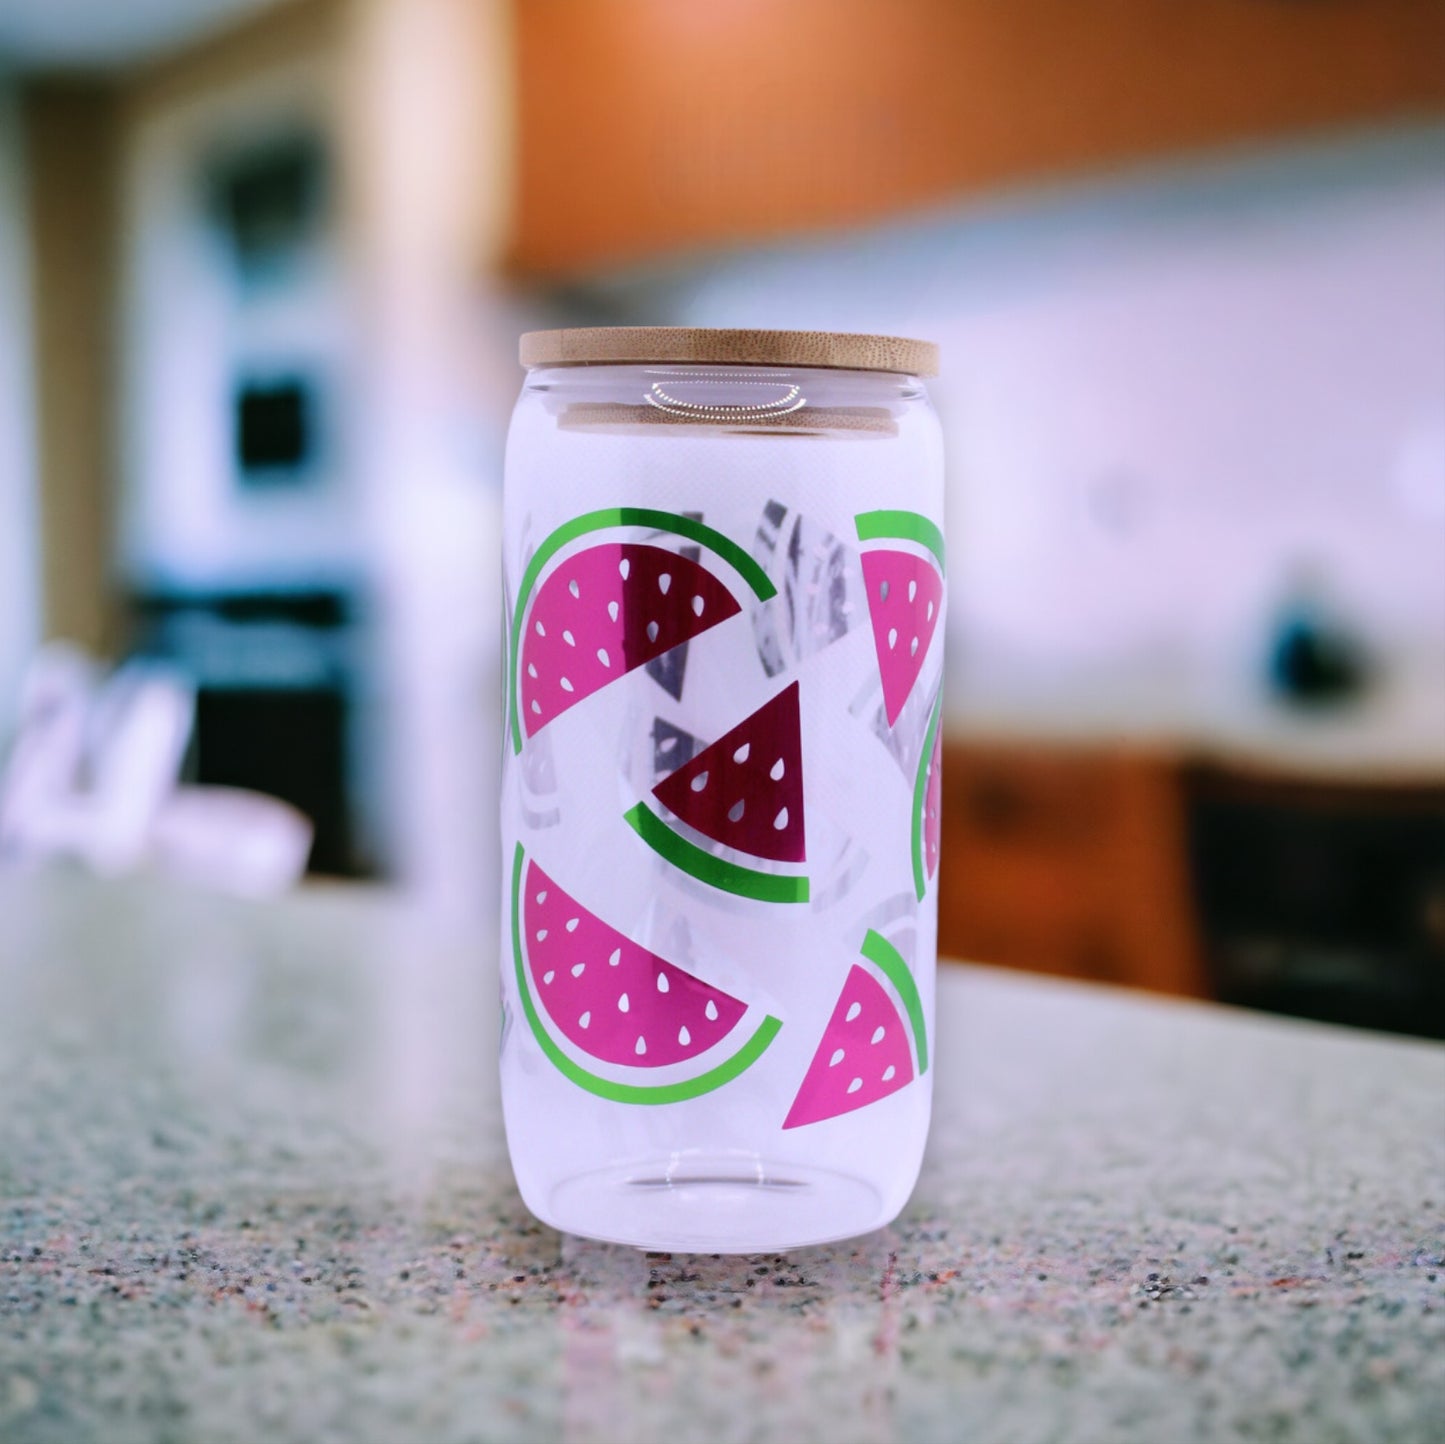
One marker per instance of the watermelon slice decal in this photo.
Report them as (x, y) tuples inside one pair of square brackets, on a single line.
[(905, 598), (928, 803), (864, 1055), (611, 608), (614, 1001), (744, 791)]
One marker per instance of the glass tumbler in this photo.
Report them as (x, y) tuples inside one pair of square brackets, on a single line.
[(725, 595)]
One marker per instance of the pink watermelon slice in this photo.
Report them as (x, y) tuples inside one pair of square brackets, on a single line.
[(615, 1001), (745, 791), (606, 611), (928, 803), (613, 607), (905, 597), (864, 1054)]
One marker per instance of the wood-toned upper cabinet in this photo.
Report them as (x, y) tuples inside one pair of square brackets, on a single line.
[(650, 126)]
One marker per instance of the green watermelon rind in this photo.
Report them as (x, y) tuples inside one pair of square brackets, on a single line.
[(605, 520), (920, 799), (716, 871), (890, 525), (889, 961), (615, 1092)]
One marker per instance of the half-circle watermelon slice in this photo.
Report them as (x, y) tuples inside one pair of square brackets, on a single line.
[(617, 1004), (611, 607), (864, 1054), (745, 792), (928, 804), (905, 598)]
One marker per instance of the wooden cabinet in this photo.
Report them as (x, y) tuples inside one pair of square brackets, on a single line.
[(647, 126), (1068, 862)]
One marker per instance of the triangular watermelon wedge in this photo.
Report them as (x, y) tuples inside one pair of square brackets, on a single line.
[(864, 1054), (599, 613), (604, 612), (905, 599), (616, 1003), (746, 789)]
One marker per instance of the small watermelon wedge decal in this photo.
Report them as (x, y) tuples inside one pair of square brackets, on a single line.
[(905, 598), (864, 1054), (612, 607), (615, 1002), (928, 803), (744, 791)]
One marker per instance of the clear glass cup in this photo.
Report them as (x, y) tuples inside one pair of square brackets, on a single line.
[(725, 620)]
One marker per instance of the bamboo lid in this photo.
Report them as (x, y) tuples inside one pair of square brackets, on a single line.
[(837, 350)]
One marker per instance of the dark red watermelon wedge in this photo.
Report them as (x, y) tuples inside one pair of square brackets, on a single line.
[(604, 612), (746, 789), (905, 598)]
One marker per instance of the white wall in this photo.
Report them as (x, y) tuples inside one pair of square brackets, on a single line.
[(19, 540)]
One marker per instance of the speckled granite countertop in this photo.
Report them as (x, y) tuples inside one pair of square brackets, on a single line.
[(252, 1186)]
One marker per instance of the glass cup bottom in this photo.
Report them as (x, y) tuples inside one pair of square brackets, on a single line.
[(714, 1203)]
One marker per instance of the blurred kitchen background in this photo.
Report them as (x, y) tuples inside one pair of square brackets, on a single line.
[(262, 271)]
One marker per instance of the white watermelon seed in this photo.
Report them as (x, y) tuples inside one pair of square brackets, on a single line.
[(532, 670), (612, 610), (541, 897), (888, 1073), (652, 631), (855, 1085), (683, 1036), (697, 606), (607, 661), (577, 969), (711, 1011), (577, 591), (541, 630), (699, 782), (735, 812), (913, 647), (567, 637), (541, 935), (781, 820), (853, 1012), (662, 983), (616, 957), (624, 566), (882, 591), (566, 685), (912, 590), (836, 1058), (572, 924), (585, 1019), (666, 744), (892, 637), (536, 705), (664, 581), (877, 1034), (741, 755), (549, 975), (930, 611), (623, 1004), (776, 773), (641, 1045)]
